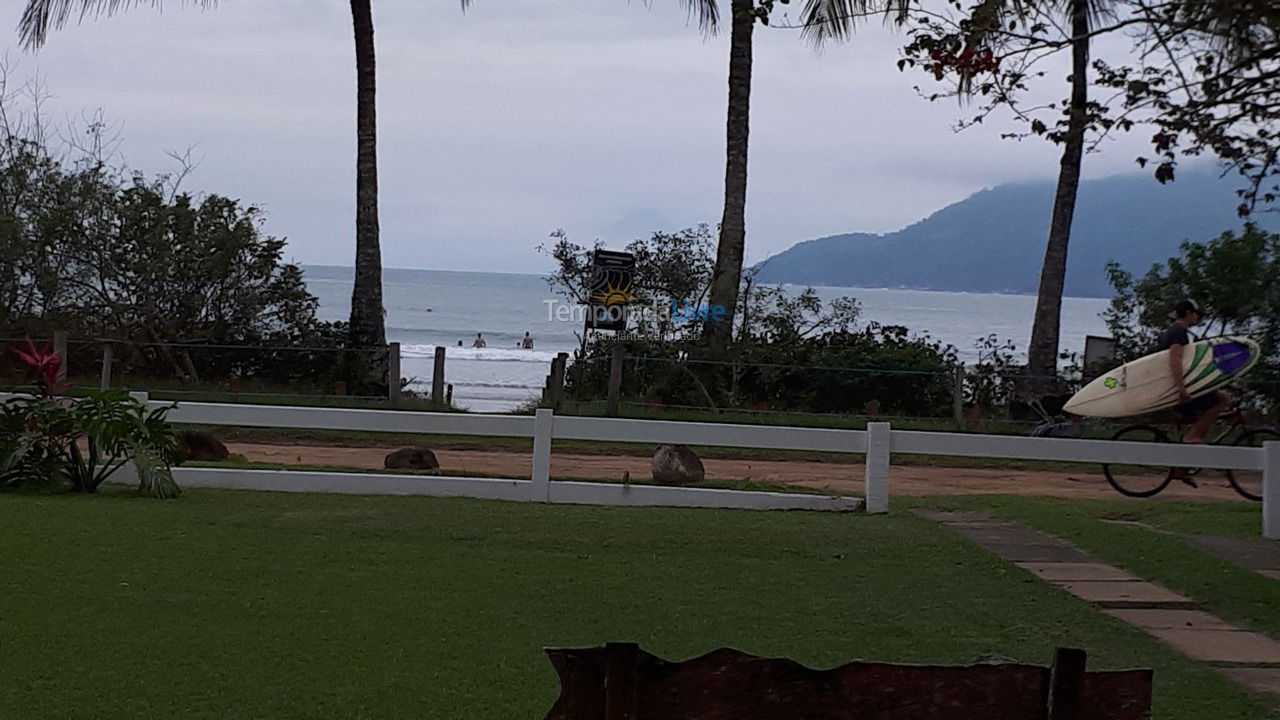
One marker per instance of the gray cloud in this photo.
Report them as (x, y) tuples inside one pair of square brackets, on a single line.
[(502, 124)]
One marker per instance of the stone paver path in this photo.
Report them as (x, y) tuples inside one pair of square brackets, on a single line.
[(1257, 554), (1250, 658)]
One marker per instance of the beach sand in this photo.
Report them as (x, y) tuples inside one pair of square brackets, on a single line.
[(844, 478)]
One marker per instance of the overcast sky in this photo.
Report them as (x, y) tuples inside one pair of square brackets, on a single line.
[(499, 125)]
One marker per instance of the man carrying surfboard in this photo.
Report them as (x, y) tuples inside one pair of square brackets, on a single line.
[(1203, 410)]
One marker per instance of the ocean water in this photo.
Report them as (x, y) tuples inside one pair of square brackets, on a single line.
[(430, 308)]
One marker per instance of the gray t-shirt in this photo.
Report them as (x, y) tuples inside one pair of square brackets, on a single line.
[(1176, 335)]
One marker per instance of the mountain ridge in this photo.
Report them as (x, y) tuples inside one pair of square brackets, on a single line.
[(993, 241)]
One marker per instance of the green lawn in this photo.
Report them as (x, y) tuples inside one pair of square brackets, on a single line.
[(225, 604), (1144, 537)]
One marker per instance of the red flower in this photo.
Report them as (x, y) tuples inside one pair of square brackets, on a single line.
[(46, 363)]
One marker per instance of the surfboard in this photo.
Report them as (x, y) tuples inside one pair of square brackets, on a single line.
[(1147, 384)]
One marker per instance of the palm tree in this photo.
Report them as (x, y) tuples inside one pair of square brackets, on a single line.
[(367, 327), (733, 223), (1042, 353), (823, 19), (832, 19)]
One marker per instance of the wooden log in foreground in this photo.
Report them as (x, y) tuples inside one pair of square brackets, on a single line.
[(622, 682)]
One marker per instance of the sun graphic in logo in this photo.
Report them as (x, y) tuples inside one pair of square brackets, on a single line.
[(611, 293), (1111, 383)]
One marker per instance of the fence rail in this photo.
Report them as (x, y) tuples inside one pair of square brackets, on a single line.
[(320, 418), (878, 443), (1010, 447), (696, 433)]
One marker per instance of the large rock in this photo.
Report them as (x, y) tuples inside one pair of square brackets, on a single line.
[(676, 465), (411, 458), (200, 446)]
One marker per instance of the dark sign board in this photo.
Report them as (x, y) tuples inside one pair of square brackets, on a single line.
[(609, 289)]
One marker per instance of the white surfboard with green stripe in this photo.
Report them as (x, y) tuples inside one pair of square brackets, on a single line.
[(1147, 384)]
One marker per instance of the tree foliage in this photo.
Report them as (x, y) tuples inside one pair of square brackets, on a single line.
[(1202, 75), (105, 252), (1236, 279), (789, 351)]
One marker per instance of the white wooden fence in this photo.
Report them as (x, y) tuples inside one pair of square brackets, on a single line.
[(544, 427), (879, 442)]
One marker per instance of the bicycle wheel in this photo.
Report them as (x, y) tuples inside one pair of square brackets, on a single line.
[(1249, 482), (1139, 480)]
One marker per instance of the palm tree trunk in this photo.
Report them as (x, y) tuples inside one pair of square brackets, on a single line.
[(1042, 355), (733, 225), (367, 329)]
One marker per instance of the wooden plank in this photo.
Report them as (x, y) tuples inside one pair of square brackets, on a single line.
[(730, 685), (877, 467), (615, 381), (1072, 450), (352, 483), (1271, 491), (540, 473), (620, 681), (1066, 685), (437, 377), (393, 372), (716, 434), (638, 495), (280, 416)]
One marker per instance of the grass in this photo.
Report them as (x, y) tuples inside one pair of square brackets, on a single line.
[(1148, 543), (237, 604)]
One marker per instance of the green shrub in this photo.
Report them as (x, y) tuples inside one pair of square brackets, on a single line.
[(81, 442)]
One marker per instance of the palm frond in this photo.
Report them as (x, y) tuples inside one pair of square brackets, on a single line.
[(707, 13), (41, 16), (1237, 26), (824, 21)]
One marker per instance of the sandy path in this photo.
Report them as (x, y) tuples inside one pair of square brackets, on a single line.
[(907, 480)]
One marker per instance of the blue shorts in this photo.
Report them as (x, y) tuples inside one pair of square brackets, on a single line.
[(1196, 407)]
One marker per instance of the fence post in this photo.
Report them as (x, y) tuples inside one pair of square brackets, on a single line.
[(877, 465), (393, 372), (615, 381), (1271, 490), (437, 377), (60, 347), (540, 488), (554, 392), (107, 351), (957, 396)]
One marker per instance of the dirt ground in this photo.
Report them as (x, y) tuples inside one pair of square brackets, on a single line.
[(905, 480)]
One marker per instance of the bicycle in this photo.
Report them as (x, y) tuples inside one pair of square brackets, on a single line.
[(1144, 481)]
